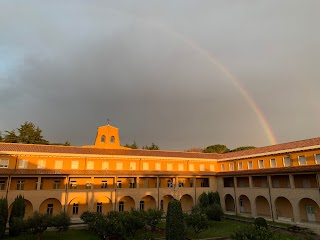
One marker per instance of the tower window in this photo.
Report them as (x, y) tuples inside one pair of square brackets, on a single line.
[(103, 138), (112, 139)]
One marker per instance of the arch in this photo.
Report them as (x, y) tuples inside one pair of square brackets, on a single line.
[(229, 203), (262, 206), (28, 209), (309, 210), (103, 205), (186, 203), (77, 206), (112, 139), (165, 201), (103, 138), (284, 209), (126, 203), (51, 206), (244, 204), (148, 201)]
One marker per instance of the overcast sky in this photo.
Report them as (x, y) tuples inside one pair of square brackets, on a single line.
[(168, 72)]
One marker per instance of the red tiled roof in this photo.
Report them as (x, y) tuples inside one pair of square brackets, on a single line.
[(280, 170), (16, 147)]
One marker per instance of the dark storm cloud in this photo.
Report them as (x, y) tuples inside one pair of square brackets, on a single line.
[(145, 66)]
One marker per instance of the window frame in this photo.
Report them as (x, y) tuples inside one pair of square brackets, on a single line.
[(305, 160), (4, 165), (275, 163), (250, 164), (240, 164), (75, 164), (24, 164), (261, 166)]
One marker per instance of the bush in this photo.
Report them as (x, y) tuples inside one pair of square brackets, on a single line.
[(152, 216), (61, 221), (18, 211), (3, 216), (260, 222), (197, 221), (203, 200), (88, 217), (132, 221), (251, 232), (214, 212), (17, 226), (175, 228), (214, 198), (38, 223)]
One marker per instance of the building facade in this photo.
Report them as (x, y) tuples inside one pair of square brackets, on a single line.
[(279, 182)]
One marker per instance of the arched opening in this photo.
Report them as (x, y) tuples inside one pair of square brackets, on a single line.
[(165, 201), (103, 205), (126, 203), (186, 203), (148, 202), (50, 206), (28, 209), (103, 138), (262, 207), (112, 139), (284, 209), (244, 203), (77, 206), (309, 210), (229, 202)]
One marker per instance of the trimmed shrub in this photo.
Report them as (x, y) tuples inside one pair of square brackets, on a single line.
[(214, 212), (3, 216), (214, 198), (38, 223), (18, 211), (175, 228), (88, 217), (260, 222), (251, 232), (203, 200), (61, 222)]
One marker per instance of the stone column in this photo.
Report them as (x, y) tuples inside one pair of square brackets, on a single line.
[(291, 179), (39, 183)]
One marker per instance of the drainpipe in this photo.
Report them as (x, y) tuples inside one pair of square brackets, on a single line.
[(235, 196), (271, 205)]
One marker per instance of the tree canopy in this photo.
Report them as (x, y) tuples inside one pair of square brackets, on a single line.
[(217, 148), (242, 148)]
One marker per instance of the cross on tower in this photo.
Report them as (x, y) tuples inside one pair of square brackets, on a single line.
[(108, 120)]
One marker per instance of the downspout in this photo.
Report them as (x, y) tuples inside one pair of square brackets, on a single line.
[(235, 196), (271, 205)]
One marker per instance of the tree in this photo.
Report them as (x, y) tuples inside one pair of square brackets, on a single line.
[(1, 137), (217, 148), (175, 228), (16, 216), (242, 148), (194, 149), (214, 198), (38, 223), (153, 216), (152, 147), (132, 221), (61, 221), (132, 146), (67, 143), (11, 137), (203, 200), (3, 216), (197, 221), (30, 134)]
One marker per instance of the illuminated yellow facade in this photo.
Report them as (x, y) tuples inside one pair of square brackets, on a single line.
[(279, 182)]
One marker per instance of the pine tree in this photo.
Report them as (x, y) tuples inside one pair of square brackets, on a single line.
[(175, 227), (16, 216), (3, 216)]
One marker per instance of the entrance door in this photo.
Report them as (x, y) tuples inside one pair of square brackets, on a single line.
[(241, 206), (311, 214)]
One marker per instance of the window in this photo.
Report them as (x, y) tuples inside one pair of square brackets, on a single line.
[(119, 166), (58, 164), (41, 185), (20, 185), (158, 166), (50, 208), (276, 183), (99, 207), (202, 183), (105, 165), (202, 167), (161, 205), (302, 160), (88, 185), (23, 163), (131, 184), (41, 164), (191, 167), (145, 166), (223, 167), (75, 209), (240, 166), (211, 167), (191, 182), (73, 184), (121, 206), (170, 183), (104, 184), (4, 163), (112, 139), (56, 184), (261, 164), (317, 158), (273, 162), (181, 183), (133, 166), (169, 166), (231, 167), (119, 184), (103, 138), (180, 167), (142, 205), (2, 185), (287, 161), (90, 165), (250, 165), (75, 164)]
